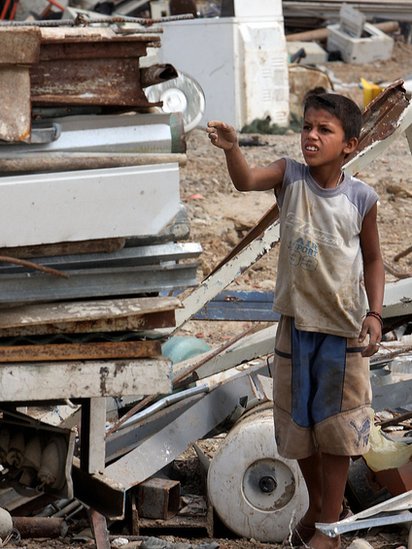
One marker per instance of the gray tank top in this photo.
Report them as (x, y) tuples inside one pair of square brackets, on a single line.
[(320, 269)]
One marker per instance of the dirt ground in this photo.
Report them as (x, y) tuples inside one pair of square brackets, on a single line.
[(220, 216)]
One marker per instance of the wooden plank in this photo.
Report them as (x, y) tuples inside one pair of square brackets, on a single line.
[(45, 381), (79, 351), (88, 310), (15, 123), (150, 321), (19, 46), (105, 203)]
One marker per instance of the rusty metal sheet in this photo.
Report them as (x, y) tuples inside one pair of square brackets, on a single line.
[(99, 492), (381, 116), (90, 67), (103, 81), (79, 351)]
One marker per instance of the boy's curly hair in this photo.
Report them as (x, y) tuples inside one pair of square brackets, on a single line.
[(345, 110)]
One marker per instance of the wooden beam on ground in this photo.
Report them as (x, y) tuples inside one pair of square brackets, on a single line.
[(79, 351), (45, 381), (142, 313)]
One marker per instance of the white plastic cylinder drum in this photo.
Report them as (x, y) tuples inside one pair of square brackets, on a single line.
[(6, 524), (256, 492)]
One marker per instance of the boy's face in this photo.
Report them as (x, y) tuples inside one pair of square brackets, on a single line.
[(323, 139)]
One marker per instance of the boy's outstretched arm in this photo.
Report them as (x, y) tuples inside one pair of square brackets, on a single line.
[(374, 276), (244, 177)]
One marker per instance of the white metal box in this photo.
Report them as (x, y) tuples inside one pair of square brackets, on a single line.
[(375, 46), (258, 8), (240, 64), (43, 208)]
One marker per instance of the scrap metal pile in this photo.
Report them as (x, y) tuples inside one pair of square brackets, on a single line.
[(93, 251)]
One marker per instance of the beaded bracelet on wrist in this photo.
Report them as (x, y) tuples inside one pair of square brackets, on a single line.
[(375, 315)]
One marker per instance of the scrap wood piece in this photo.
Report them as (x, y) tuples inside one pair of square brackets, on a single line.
[(79, 351), (404, 253), (395, 420), (18, 50), (395, 272), (70, 313)]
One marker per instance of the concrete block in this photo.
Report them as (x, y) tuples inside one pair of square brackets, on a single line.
[(373, 45), (315, 54)]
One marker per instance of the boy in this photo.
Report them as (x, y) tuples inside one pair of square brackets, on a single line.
[(330, 266)]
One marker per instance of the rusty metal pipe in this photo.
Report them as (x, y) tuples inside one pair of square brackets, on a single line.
[(34, 162), (40, 527), (155, 74)]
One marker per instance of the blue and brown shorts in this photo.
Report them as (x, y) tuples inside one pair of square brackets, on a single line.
[(322, 394)]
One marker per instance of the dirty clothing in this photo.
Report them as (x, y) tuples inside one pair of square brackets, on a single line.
[(320, 267), (322, 394)]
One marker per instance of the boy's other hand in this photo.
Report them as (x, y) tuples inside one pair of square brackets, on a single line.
[(221, 135), (372, 327)]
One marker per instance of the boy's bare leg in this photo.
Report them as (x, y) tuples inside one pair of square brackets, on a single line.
[(311, 469), (334, 476), (312, 473)]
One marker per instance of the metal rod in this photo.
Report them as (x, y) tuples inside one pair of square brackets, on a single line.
[(164, 402), (335, 529), (83, 20)]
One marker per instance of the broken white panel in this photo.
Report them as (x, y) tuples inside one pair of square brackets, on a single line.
[(87, 204), (84, 379), (398, 298)]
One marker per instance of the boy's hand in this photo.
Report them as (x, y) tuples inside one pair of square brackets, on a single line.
[(221, 134), (371, 326)]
